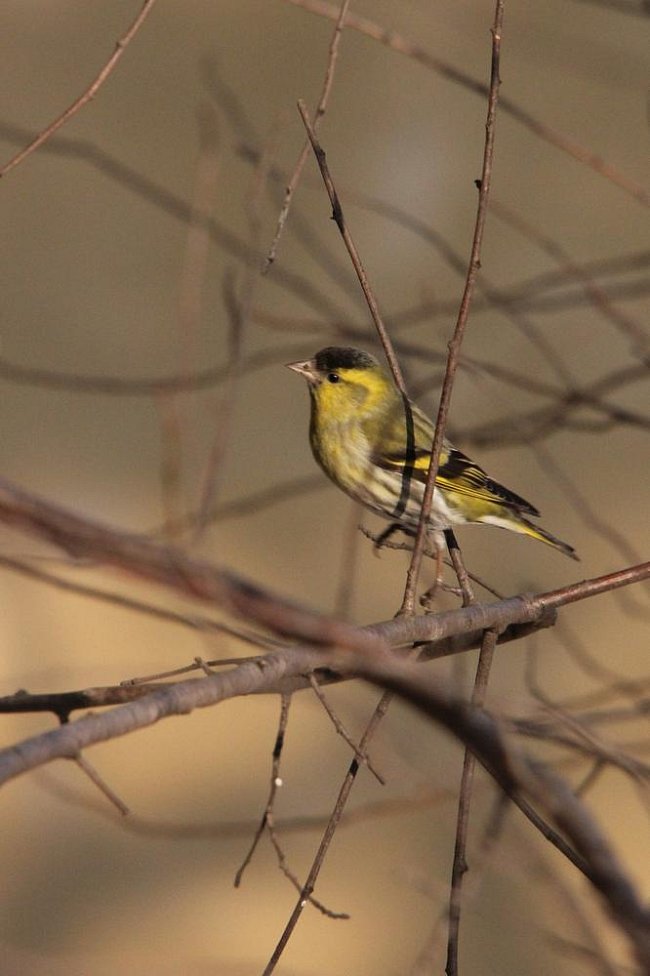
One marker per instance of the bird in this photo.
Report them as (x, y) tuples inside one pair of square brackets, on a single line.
[(375, 444)]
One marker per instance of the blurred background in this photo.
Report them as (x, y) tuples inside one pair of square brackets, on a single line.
[(132, 245)]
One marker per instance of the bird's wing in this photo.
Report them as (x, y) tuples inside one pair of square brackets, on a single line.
[(460, 474), (457, 473)]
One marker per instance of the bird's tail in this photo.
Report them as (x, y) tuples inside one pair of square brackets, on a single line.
[(537, 532)]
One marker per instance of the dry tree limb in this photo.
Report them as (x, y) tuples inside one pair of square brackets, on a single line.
[(302, 158), (461, 322), (90, 92), (339, 219), (267, 823), (288, 873), (197, 579), (402, 45), (277, 672), (362, 654), (326, 839), (360, 756), (460, 866), (63, 703), (520, 775)]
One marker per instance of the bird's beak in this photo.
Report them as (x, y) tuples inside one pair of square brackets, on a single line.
[(306, 368)]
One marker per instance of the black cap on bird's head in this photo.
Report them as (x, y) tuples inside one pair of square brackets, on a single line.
[(330, 359), (343, 357)]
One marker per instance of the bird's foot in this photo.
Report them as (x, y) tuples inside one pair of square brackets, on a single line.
[(383, 537), (426, 600)]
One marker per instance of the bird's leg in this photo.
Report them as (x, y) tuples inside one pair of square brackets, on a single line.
[(427, 598), (384, 536), (459, 568), (464, 589)]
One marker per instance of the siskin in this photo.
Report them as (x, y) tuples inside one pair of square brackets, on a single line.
[(377, 450)]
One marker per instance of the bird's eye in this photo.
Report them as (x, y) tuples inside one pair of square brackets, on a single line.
[(333, 377)]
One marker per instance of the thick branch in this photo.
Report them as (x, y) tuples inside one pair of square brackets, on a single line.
[(277, 671), (200, 580), (517, 774)]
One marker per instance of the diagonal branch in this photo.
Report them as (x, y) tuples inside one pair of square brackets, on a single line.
[(90, 92), (339, 219), (197, 579), (302, 158), (403, 45)]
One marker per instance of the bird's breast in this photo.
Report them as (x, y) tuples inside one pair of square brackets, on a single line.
[(342, 451)]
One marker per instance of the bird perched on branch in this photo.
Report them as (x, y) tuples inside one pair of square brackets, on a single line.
[(375, 445)]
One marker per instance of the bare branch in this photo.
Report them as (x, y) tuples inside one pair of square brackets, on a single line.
[(302, 158), (460, 865), (199, 580), (90, 92), (463, 314), (516, 773), (339, 219), (410, 49)]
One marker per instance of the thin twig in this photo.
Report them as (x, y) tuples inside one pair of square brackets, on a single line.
[(339, 219), (197, 240), (592, 775), (463, 314), (223, 412), (90, 92), (302, 158), (101, 785), (402, 45), (170, 464), (328, 834), (462, 575), (340, 728), (288, 873), (267, 823), (460, 865), (274, 784), (428, 961)]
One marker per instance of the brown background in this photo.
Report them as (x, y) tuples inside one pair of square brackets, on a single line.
[(95, 240)]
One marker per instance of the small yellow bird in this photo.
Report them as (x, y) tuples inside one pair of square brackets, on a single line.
[(377, 450)]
